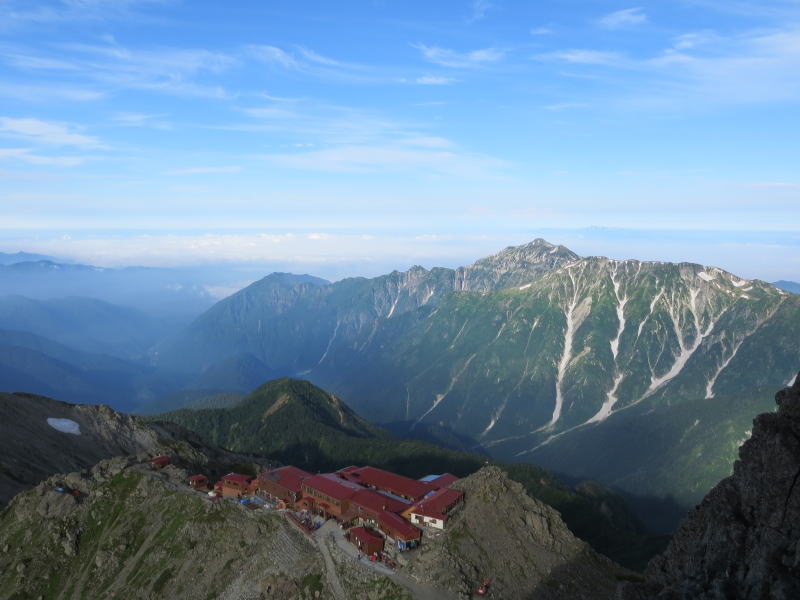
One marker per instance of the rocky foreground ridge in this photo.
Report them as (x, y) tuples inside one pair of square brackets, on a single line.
[(743, 540), (518, 543)]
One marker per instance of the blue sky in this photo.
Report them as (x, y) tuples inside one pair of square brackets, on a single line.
[(375, 134)]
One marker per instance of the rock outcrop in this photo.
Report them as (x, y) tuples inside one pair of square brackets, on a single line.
[(518, 543), (743, 540)]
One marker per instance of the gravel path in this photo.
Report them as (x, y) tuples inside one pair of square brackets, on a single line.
[(330, 568)]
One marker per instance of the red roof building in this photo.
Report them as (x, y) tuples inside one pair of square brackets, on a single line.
[(159, 462), (233, 485), (369, 504), (285, 483), (444, 480), (407, 488), (366, 540), (435, 510), (330, 493), (198, 482), (396, 527)]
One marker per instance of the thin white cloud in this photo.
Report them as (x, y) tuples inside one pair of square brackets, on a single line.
[(273, 55), (565, 106), (204, 170), (762, 67), (18, 13), (460, 60), (309, 62), (46, 93), (164, 70), (26, 155), (390, 158), (133, 119), (43, 132), (434, 80), (694, 39), (479, 10), (541, 31), (585, 57), (628, 17)]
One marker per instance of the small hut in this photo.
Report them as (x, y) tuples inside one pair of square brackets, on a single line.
[(198, 482), (159, 462), (366, 540)]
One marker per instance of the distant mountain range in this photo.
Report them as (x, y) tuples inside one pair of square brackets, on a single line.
[(789, 286), (176, 293), (10, 258), (530, 352)]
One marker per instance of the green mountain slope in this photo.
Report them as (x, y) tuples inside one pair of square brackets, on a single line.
[(532, 346)]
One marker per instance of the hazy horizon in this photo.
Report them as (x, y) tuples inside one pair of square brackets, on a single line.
[(753, 255), (362, 137)]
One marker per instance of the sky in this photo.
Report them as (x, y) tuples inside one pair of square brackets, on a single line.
[(357, 136)]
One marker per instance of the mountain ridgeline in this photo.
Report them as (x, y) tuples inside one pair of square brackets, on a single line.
[(528, 352)]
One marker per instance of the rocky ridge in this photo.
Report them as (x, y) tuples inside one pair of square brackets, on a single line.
[(32, 450), (743, 540), (518, 543), (138, 534)]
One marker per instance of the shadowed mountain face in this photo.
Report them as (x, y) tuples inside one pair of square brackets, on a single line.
[(742, 541), (529, 352), (40, 437)]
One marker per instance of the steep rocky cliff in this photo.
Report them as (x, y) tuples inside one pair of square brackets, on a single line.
[(743, 540), (519, 544)]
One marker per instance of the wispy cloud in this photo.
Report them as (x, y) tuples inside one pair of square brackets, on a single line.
[(43, 132), (17, 13), (48, 92), (273, 55), (694, 39), (585, 57), (627, 17), (541, 30), (164, 70), (204, 170), (303, 60), (434, 80), (703, 69), (391, 158), (479, 10), (460, 60), (565, 106), (28, 156), (132, 119)]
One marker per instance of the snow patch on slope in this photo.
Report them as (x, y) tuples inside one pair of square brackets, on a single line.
[(575, 314), (64, 425)]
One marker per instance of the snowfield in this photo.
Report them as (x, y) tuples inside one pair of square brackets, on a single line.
[(65, 425)]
